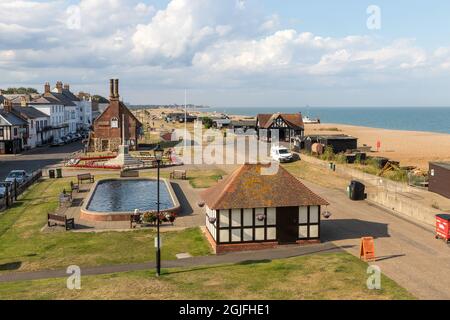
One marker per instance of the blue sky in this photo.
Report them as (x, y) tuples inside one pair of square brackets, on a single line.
[(232, 52)]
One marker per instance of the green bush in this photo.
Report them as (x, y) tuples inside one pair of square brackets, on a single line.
[(328, 154), (340, 158)]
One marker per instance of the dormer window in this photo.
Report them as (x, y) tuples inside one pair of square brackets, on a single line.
[(114, 122)]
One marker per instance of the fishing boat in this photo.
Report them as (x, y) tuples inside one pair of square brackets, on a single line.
[(309, 120)]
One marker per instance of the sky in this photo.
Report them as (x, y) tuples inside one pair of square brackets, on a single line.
[(243, 53)]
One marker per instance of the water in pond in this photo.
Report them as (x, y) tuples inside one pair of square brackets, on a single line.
[(128, 195)]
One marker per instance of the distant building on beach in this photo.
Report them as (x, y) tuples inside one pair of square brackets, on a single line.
[(339, 143), (116, 122), (289, 126), (439, 178), (252, 210)]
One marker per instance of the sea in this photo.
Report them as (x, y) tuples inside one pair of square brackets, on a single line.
[(431, 119)]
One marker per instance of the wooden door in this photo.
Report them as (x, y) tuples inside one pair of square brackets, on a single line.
[(287, 225)]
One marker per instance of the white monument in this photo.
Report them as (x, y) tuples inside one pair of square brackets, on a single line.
[(123, 158)]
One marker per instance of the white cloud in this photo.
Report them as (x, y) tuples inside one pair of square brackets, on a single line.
[(232, 44)]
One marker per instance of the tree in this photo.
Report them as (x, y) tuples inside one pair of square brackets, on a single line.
[(20, 90), (207, 122), (99, 99)]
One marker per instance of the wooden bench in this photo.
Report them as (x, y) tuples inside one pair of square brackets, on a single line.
[(65, 199), (135, 219), (178, 174), (74, 186), (85, 177), (60, 220)]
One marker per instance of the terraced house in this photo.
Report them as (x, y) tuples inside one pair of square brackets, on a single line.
[(13, 130)]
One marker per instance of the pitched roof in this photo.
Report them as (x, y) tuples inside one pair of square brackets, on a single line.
[(53, 98), (10, 119), (248, 188), (30, 112), (295, 120), (69, 95)]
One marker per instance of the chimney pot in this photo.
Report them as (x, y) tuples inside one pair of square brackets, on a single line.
[(66, 86), (111, 88), (47, 87), (116, 88), (7, 106)]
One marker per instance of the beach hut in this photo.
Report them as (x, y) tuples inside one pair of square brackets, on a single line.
[(253, 209), (439, 178)]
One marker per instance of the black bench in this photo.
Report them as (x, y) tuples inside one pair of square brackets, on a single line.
[(135, 219), (85, 177), (74, 186), (60, 220)]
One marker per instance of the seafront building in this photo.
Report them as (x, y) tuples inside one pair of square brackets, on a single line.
[(252, 210), (116, 125)]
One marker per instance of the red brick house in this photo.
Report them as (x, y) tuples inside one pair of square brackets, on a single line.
[(114, 123), (251, 210)]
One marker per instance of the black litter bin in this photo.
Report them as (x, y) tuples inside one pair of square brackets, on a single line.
[(357, 191), (51, 174), (58, 173)]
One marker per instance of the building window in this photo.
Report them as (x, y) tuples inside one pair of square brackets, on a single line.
[(309, 222), (1, 132), (243, 225), (15, 132), (114, 123)]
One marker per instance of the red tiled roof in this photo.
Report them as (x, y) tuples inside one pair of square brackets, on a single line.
[(248, 188), (295, 120)]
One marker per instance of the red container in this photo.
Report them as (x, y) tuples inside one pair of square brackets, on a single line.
[(443, 226)]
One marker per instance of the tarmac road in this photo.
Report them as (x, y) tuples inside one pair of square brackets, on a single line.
[(36, 159), (407, 253)]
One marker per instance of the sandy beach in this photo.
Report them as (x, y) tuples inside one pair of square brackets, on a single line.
[(411, 148)]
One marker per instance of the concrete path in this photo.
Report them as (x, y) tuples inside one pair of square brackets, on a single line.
[(231, 258), (407, 253)]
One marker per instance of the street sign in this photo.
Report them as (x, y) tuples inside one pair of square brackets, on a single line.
[(367, 249)]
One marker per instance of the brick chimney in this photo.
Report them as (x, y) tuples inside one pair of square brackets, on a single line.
[(59, 86), (7, 106), (47, 87), (116, 88), (111, 89), (23, 101), (66, 86)]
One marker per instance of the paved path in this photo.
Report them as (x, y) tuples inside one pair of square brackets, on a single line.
[(407, 253), (231, 258), (36, 158)]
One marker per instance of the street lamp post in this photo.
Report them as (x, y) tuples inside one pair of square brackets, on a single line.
[(158, 156)]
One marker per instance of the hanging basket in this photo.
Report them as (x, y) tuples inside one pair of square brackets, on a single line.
[(212, 220), (201, 204), (261, 217), (326, 214)]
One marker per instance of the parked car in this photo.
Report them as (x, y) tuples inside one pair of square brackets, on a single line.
[(57, 142), (3, 186), (19, 175), (281, 154), (65, 139)]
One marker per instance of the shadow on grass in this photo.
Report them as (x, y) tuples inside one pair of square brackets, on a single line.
[(10, 266), (193, 269)]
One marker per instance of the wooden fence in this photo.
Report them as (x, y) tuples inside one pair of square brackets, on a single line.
[(14, 190)]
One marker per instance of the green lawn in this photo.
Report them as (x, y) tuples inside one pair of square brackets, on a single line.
[(24, 247), (318, 276)]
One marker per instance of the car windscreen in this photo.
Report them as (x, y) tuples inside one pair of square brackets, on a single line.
[(283, 151), (15, 175)]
